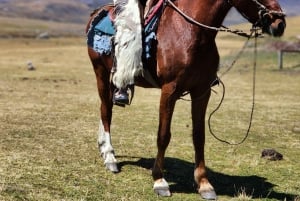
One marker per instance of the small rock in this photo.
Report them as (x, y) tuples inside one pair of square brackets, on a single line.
[(271, 154), (30, 66), (44, 35), (296, 129)]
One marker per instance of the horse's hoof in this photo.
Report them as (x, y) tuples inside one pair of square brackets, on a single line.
[(112, 167), (209, 195), (161, 188), (162, 192)]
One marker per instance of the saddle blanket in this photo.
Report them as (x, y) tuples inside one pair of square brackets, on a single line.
[(99, 36)]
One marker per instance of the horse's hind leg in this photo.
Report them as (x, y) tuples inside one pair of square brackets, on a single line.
[(105, 93), (104, 136), (167, 104), (198, 117)]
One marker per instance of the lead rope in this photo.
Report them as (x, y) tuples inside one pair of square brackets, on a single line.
[(240, 33), (253, 96), (239, 54)]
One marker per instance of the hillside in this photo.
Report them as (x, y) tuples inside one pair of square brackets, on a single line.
[(74, 11), (16, 27), (31, 18), (77, 11)]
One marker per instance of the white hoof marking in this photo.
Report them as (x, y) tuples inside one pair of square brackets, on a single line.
[(112, 167), (106, 149), (209, 195), (161, 187)]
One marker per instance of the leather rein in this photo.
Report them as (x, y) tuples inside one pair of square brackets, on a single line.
[(263, 12)]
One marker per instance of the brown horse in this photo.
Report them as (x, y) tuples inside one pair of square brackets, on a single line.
[(186, 60)]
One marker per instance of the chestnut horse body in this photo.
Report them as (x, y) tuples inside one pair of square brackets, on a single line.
[(186, 60)]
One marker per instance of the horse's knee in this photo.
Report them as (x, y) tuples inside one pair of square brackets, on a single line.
[(163, 140)]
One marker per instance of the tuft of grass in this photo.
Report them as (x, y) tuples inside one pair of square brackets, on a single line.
[(242, 195)]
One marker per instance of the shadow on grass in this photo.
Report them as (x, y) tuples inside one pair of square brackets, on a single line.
[(180, 175)]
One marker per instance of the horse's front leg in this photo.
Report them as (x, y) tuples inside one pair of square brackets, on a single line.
[(105, 94), (167, 104), (199, 106)]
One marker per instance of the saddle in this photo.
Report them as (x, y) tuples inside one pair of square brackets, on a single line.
[(101, 31)]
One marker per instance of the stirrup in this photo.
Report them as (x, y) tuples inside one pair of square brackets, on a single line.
[(121, 96)]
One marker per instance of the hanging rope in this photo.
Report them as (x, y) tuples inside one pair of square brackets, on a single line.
[(240, 33), (239, 54), (254, 31), (223, 95)]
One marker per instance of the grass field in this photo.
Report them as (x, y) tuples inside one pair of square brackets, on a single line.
[(31, 28), (49, 119)]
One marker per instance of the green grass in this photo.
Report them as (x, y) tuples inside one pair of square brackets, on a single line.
[(49, 119)]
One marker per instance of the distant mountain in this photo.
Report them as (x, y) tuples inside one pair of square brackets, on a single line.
[(77, 11)]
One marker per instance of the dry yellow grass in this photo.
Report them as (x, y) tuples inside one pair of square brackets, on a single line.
[(21, 27), (49, 119)]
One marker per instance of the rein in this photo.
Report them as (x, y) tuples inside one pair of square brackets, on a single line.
[(263, 11), (262, 7), (253, 94), (218, 29)]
